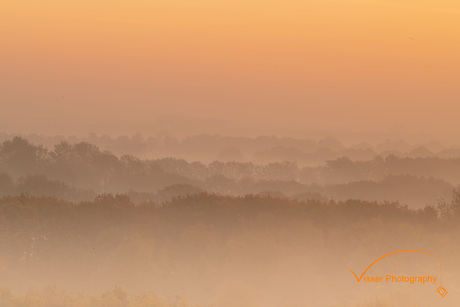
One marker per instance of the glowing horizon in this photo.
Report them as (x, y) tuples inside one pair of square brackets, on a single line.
[(338, 65)]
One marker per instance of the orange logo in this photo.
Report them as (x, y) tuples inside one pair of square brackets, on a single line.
[(441, 290), (409, 279)]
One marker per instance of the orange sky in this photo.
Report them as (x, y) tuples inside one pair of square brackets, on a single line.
[(357, 65)]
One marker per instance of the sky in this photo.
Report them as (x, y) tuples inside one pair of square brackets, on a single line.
[(253, 66)]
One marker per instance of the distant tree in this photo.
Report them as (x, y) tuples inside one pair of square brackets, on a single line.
[(115, 201), (176, 190), (62, 152), (19, 157), (450, 210)]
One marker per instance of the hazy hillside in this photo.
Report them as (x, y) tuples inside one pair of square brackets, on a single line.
[(80, 171)]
